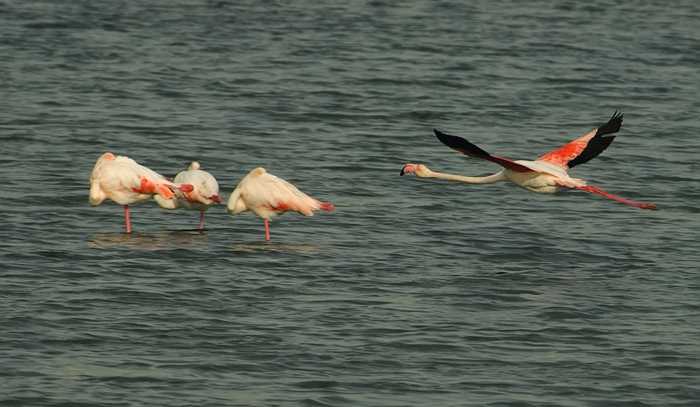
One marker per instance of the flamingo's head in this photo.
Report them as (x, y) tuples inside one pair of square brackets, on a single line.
[(106, 157), (186, 188), (417, 169)]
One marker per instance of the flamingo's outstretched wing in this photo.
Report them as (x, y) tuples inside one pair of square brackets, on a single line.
[(586, 148), (467, 148)]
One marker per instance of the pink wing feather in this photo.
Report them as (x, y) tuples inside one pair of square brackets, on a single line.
[(587, 147)]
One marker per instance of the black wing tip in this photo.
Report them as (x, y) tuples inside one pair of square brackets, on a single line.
[(603, 138), (611, 126), (617, 117), (440, 134), (447, 139), (460, 144)]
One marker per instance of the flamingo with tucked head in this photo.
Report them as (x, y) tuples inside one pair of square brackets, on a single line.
[(126, 182), (544, 175), (201, 198), (268, 196)]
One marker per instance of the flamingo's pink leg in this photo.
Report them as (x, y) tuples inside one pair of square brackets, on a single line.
[(267, 231), (598, 191), (201, 220), (128, 222)]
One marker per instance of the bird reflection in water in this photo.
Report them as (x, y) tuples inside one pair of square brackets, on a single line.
[(159, 241), (279, 247), (189, 240)]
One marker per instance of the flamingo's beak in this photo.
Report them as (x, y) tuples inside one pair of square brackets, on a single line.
[(408, 168)]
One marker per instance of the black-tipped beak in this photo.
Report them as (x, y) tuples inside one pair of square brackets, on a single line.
[(402, 171)]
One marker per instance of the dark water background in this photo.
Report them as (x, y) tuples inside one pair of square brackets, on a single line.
[(412, 292)]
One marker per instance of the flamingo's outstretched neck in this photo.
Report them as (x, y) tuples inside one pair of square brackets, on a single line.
[(424, 172), (598, 191)]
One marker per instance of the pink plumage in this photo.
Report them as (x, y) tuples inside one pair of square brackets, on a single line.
[(126, 182), (268, 196), (201, 198), (545, 175)]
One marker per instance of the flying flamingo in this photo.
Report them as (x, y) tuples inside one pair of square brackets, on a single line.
[(204, 195), (546, 174), (268, 196), (126, 182)]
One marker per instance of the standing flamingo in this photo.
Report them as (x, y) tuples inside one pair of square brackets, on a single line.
[(546, 174), (268, 196), (126, 182), (204, 195)]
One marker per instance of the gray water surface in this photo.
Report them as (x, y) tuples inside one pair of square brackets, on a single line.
[(412, 292)]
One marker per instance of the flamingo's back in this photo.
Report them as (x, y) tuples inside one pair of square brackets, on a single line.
[(206, 188), (268, 196), (125, 182)]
